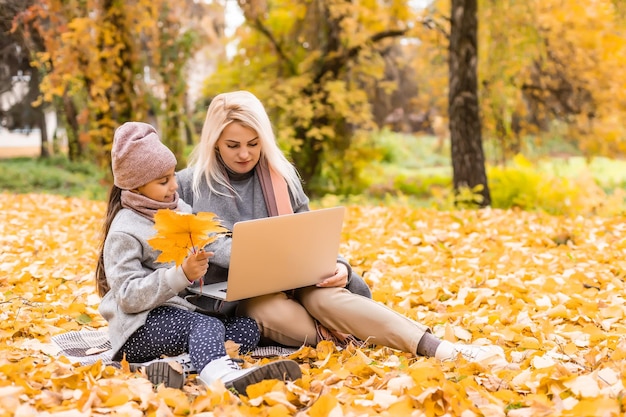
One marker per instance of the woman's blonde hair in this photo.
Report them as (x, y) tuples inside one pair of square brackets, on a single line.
[(245, 108)]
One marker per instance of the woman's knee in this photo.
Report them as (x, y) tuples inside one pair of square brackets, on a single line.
[(262, 306), (280, 318), (270, 311), (320, 301)]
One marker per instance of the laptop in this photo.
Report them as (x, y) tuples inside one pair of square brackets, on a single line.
[(279, 253)]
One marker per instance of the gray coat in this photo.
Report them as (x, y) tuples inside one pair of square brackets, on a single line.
[(249, 205), (137, 282)]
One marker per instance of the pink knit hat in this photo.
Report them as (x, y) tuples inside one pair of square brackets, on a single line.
[(138, 156)]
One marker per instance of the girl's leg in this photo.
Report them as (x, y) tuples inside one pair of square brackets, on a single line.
[(280, 319), (171, 331), (165, 333), (338, 309), (206, 340), (243, 331)]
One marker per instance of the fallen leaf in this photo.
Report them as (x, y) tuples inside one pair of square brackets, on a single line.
[(488, 276)]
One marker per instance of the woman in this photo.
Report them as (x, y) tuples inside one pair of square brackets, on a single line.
[(237, 171)]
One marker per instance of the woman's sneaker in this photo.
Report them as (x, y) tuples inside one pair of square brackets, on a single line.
[(478, 353), (234, 377), (171, 371), (472, 353)]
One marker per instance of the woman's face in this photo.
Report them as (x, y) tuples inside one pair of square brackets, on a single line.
[(240, 147)]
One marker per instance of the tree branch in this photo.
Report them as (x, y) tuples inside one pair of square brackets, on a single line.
[(258, 24), (334, 64), (432, 24)]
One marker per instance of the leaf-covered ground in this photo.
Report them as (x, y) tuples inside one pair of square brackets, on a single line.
[(549, 290)]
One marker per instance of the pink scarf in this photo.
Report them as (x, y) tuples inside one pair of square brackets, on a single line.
[(278, 203), (274, 189), (145, 206)]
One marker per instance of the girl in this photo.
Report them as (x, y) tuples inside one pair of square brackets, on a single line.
[(237, 171), (147, 318)]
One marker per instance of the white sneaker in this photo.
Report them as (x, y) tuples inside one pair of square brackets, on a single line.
[(476, 353), (472, 353), (171, 371), (233, 376)]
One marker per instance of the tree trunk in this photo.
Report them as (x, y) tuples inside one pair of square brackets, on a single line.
[(307, 159), (43, 128), (468, 160), (40, 114), (74, 150)]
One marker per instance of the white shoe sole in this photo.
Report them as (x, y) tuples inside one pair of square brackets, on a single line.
[(282, 370)]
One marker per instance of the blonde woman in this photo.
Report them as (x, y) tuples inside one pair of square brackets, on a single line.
[(236, 171)]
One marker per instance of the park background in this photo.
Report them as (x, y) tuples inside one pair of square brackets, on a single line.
[(360, 95)]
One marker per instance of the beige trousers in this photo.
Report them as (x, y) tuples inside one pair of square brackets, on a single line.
[(289, 321)]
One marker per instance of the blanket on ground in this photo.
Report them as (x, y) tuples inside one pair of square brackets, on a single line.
[(89, 346)]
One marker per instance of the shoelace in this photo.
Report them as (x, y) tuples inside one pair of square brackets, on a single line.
[(183, 360), (469, 352), (234, 365), (186, 364)]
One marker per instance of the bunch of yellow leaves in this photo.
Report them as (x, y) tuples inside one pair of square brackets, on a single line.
[(179, 234)]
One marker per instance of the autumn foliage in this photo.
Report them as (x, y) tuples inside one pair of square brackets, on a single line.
[(548, 289)]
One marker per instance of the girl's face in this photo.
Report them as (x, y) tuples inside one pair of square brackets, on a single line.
[(162, 189), (240, 147)]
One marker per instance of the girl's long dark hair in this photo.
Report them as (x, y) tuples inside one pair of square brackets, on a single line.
[(114, 206)]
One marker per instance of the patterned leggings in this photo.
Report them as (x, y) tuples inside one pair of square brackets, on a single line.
[(172, 331)]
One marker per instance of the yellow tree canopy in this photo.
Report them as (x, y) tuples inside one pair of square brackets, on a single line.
[(545, 68)]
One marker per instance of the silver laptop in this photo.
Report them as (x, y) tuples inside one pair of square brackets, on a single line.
[(280, 253)]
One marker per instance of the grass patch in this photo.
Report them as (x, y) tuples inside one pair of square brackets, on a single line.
[(418, 170), (608, 173), (54, 175)]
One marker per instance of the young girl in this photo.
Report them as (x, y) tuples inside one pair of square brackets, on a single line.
[(227, 176), (147, 318)]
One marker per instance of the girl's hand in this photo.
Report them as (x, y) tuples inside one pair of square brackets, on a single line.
[(340, 279), (195, 265)]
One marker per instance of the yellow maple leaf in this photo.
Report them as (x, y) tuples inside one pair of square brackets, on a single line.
[(179, 234)]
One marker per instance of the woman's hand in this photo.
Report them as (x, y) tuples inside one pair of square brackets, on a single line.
[(340, 279), (195, 265)]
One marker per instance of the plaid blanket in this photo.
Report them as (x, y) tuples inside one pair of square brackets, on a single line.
[(89, 346), (85, 346)]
